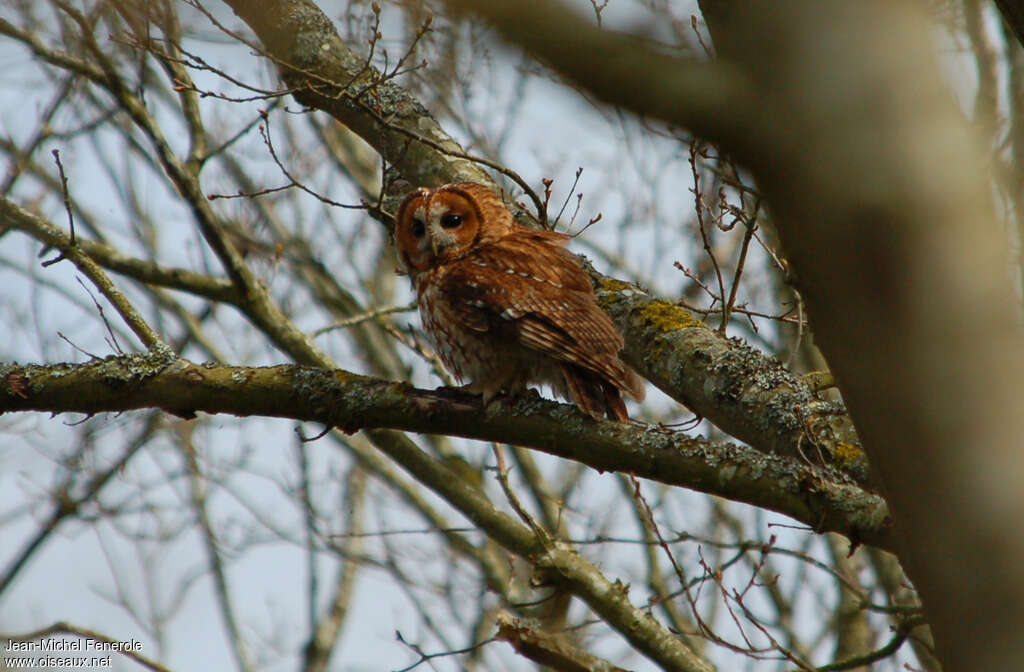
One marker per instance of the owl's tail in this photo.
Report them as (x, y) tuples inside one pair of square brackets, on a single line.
[(596, 395)]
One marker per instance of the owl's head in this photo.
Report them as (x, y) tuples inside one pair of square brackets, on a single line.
[(435, 226)]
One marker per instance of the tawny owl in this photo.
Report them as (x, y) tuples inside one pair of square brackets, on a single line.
[(506, 306)]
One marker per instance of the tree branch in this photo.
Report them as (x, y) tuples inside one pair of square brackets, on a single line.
[(70, 249), (143, 270), (1013, 14), (327, 75), (825, 501), (548, 649), (741, 390), (719, 99)]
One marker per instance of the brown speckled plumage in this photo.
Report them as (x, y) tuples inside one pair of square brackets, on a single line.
[(507, 306)]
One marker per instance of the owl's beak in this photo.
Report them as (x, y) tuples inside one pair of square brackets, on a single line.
[(435, 245)]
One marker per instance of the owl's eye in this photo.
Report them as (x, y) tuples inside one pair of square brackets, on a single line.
[(418, 228), (451, 221)]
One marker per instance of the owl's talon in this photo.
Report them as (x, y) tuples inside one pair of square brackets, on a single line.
[(488, 392), (528, 394), (473, 390)]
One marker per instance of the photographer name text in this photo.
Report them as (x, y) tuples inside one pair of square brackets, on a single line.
[(77, 645)]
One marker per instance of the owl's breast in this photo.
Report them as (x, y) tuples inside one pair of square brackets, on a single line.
[(476, 340), (457, 348)]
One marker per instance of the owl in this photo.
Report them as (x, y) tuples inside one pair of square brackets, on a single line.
[(506, 306)]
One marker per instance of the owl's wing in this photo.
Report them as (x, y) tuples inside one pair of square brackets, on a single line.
[(528, 287)]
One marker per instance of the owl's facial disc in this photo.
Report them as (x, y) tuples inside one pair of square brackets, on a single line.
[(445, 228), (411, 236)]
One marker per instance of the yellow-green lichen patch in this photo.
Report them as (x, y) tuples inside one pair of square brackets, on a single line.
[(612, 285), (847, 454), (611, 294), (664, 316)]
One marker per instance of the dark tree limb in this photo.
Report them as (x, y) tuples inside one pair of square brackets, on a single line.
[(823, 500), (1013, 14)]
